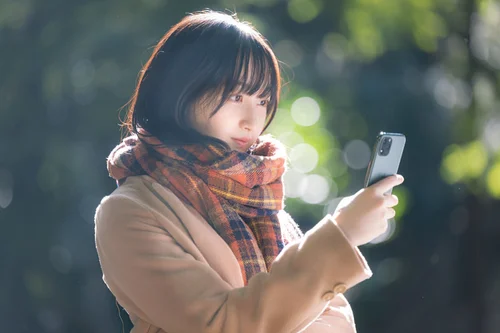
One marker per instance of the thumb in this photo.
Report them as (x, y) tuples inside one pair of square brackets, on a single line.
[(388, 183)]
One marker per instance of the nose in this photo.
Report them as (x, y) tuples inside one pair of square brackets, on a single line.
[(249, 119), (247, 124)]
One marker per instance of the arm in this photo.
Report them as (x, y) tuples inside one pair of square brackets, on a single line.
[(337, 317), (157, 280)]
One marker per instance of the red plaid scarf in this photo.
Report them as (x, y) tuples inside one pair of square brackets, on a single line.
[(239, 194)]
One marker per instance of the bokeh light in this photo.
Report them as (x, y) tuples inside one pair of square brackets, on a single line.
[(304, 11), (38, 284), (316, 189), (293, 181), (366, 37), (6, 188), (357, 154), (305, 111), (282, 123), (291, 139), (303, 157), (484, 34), (335, 47), (491, 134), (289, 52), (337, 165), (389, 270), (464, 162), (493, 180), (484, 92), (452, 93)]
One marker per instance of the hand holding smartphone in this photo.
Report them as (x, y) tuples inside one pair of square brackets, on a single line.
[(385, 158)]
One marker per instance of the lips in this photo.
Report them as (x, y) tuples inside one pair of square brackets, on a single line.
[(241, 141)]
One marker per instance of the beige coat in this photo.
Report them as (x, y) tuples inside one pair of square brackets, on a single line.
[(173, 273)]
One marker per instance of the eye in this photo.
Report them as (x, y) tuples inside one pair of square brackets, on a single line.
[(236, 98), (264, 102)]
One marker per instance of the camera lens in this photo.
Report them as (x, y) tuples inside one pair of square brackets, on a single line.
[(385, 146)]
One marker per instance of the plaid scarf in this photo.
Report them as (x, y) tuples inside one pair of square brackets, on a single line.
[(239, 194)]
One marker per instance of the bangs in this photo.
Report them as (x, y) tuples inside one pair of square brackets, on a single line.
[(253, 70), (254, 73), (196, 67)]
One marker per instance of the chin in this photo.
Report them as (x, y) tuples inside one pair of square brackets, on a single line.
[(240, 149)]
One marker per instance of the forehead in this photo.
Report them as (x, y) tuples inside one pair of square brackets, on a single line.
[(255, 77)]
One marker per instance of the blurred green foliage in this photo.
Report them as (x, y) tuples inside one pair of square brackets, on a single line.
[(429, 69)]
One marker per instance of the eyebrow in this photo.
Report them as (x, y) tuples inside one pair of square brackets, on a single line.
[(240, 83), (266, 96), (239, 87)]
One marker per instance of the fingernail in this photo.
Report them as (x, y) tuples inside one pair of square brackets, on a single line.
[(400, 178)]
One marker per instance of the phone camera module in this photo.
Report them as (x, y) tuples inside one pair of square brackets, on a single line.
[(385, 146)]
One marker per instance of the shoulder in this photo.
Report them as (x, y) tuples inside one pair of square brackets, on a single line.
[(133, 189), (142, 197), (131, 198)]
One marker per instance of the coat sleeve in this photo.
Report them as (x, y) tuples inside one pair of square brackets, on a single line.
[(337, 318), (153, 277)]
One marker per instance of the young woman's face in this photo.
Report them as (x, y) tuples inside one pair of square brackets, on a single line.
[(238, 122)]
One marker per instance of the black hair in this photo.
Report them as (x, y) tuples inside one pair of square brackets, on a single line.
[(202, 60)]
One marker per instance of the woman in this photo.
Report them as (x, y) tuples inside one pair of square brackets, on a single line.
[(195, 238)]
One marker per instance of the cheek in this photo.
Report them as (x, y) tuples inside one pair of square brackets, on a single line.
[(224, 117), (200, 123), (215, 126), (208, 128), (263, 115), (222, 121)]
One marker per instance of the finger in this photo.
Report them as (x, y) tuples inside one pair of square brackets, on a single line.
[(388, 183), (391, 200)]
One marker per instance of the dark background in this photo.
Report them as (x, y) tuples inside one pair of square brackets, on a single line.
[(428, 69)]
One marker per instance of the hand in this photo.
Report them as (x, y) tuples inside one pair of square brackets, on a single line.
[(363, 216)]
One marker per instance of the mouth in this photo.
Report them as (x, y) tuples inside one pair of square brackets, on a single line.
[(242, 142)]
